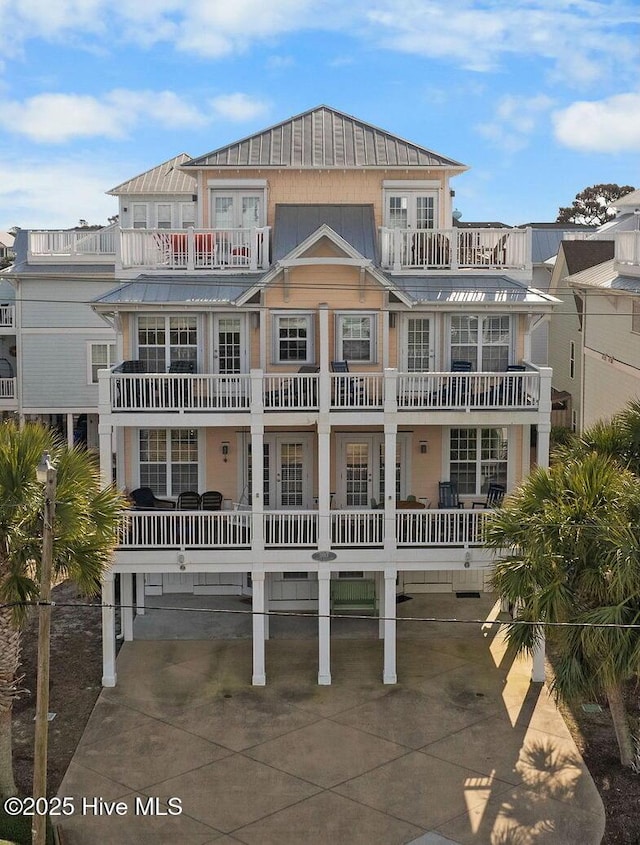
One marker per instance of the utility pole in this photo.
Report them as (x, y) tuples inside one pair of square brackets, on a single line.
[(48, 475)]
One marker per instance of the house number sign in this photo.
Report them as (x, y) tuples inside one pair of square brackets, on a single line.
[(324, 557)]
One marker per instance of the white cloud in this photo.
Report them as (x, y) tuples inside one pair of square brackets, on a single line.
[(56, 194), (603, 126), (238, 107), (57, 118), (515, 119)]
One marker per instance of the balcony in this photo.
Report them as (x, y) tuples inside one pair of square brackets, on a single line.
[(8, 401), (226, 530), (7, 318), (455, 249), (626, 246), (336, 392), (82, 246), (195, 249)]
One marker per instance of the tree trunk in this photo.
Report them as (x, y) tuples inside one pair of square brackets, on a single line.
[(9, 656), (615, 697)]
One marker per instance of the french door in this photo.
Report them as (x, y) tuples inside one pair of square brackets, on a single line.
[(411, 209), (361, 470), (229, 344), (418, 347), (287, 471)]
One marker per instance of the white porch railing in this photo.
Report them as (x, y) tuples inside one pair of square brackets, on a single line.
[(7, 316), (440, 527), (628, 248), (7, 388), (162, 529), (195, 249), (297, 528), (518, 390), (179, 529), (73, 244), (433, 391), (442, 249), (169, 392)]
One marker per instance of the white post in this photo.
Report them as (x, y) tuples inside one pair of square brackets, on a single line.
[(324, 628), (259, 678), (140, 594), (267, 579), (106, 459), (126, 605), (379, 582), (324, 380), (544, 432), (324, 486), (389, 675), (109, 676), (537, 668), (70, 431)]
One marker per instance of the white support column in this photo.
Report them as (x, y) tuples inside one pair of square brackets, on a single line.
[(70, 431), (259, 678), (544, 433), (537, 668), (109, 676), (140, 594), (324, 376), (390, 448), (267, 588), (379, 582), (106, 458), (389, 675), (126, 605), (324, 486), (324, 627)]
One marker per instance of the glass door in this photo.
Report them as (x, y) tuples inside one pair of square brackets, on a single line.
[(290, 475), (228, 345), (417, 352)]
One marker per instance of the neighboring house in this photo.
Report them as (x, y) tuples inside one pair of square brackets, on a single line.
[(594, 345), (6, 246), (332, 356)]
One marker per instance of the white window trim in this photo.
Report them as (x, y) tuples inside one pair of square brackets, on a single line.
[(240, 187), (309, 316), (201, 457), (403, 338), (480, 317), (144, 205), (199, 333), (373, 349), (412, 190), (446, 456), (112, 360)]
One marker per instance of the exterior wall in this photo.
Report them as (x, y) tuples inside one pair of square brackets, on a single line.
[(611, 356), (564, 327), (358, 186)]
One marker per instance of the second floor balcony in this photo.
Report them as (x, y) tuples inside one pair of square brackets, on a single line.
[(91, 246), (195, 249), (525, 389), (8, 395), (456, 249), (7, 318)]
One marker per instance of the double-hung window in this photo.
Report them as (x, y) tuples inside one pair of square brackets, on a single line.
[(163, 215), (168, 460), (293, 338), (101, 356), (162, 340), (356, 337), (477, 458), (484, 341), (140, 215)]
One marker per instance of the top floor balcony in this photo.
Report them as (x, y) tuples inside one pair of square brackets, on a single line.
[(455, 249), (90, 246), (195, 249), (7, 318)]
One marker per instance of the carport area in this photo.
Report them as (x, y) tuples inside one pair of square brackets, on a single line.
[(464, 749)]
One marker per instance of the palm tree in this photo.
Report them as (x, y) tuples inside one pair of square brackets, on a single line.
[(84, 537), (574, 557)]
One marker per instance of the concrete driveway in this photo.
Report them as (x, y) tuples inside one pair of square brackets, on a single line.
[(463, 750)]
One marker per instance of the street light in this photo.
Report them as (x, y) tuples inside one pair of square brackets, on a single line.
[(47, 475)]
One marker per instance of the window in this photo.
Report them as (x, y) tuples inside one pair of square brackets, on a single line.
[(405, 209), (169, 460), (477, 458), (295, 576), (162, 340), (236, 209), (355, 337), (572, 359), (101, 356), (485, 341), (140, 215), (163, 215), (293, 338), (635, 316), (187, 214)]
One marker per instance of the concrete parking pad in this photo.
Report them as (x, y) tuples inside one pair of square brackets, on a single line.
[(463, 750)]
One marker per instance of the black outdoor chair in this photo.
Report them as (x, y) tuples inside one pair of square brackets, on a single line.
[(211, 500), (291, 392), (182, 366), (448, 495), (189, 500), (349, 391), (454, 391), (144, 498), (495, 495)]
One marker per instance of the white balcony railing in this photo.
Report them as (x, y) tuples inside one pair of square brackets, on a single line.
[(195, 249), (7, 388), (627, 249), (77, 245), (519, 390), (162, 529), (444, 249), (7, 316)]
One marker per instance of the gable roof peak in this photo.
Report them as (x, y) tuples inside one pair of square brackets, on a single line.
[(167, 177), (324, 137)]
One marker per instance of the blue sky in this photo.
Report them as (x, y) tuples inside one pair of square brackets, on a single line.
[(539, 97)]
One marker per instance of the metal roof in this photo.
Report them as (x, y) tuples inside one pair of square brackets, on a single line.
[(545, 243), (294, 223), (471, 290), (189, 290), (579, 255), (323, 137), (165, 178), (604, 275)]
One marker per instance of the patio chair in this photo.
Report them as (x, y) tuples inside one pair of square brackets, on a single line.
[(495, 495), (348, 391), (292, 391), (144, 498), (189, 500), (510, 391), (211, 500), (448, 495), (182, 366), (454, 392)]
